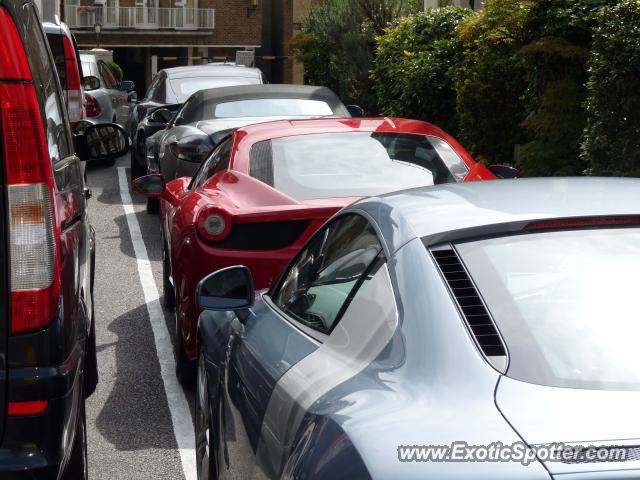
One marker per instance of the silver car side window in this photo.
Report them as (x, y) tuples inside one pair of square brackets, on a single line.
[(326, 275)]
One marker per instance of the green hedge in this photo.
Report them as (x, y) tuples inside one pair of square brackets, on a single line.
[(523, 82), (337, 44), (491, 83), (612, 140), (414, 66), (116, 69), (558, 78), (556, 56)]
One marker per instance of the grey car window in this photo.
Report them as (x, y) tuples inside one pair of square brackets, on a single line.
[(258, 107), (326, 275), (152, 88), (160, 95), (217, 161), (89, 68), (269, 107), (107, 75), (565, 303)]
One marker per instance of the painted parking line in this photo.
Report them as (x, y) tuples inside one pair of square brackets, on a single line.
[(178, 406)]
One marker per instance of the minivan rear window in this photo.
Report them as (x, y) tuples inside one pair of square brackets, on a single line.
[(57, 49)]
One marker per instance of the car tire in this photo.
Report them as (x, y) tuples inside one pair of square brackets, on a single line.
[(169, 291), (205, 453), (91, 359), (137, 170), (78, 467), (153, 205), (185, 368)]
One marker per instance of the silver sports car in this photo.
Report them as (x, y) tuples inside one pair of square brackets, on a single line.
[(470, 331)]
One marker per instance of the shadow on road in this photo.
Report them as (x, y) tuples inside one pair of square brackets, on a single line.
[(110, 183), (136, 415), (126, 247)]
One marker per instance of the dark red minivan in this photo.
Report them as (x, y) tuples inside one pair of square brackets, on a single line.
[(47, 249)]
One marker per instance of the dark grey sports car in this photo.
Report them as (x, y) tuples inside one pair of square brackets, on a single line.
[(169, 90), (196, 128), (475, 331)]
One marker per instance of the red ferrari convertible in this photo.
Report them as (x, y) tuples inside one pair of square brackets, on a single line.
[(265, 189)]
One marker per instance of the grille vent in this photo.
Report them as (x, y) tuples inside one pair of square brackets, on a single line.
[(264, 235), (470, 303), (624, 454)]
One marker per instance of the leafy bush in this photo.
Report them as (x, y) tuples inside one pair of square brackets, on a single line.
[(523, 82), (562, 33), (117, 70), (491, 83), (337, 44), (612, 140), (414, 67)]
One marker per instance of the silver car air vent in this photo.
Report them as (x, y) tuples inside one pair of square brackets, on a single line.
[(603, 455), (471, 306)]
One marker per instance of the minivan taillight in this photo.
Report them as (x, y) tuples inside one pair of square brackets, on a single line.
[(34, 261), (13, 61), (73, 94)]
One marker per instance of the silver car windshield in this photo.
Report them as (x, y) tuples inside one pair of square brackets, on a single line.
[(565, 303), (355, 164)]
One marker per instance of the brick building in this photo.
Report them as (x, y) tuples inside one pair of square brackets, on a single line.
[(148, 35), (286, 17)]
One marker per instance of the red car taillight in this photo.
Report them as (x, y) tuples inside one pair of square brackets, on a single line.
[(74, 87), (213, 224), (586, 222), (33, 237), (92, 106)]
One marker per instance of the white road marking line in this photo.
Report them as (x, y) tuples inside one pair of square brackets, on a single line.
[(178, 406)]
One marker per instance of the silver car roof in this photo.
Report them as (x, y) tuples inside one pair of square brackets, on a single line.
[(455, 211), (212, 71)]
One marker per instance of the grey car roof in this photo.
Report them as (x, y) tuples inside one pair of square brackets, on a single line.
[(455, 211), (263, 91), (212, 71), (246, 92)]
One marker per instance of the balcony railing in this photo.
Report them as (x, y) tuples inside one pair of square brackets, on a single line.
[(143, 18)]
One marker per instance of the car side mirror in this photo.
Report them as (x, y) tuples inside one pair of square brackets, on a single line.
[(162, 115), (127, 86), (101, 141), (90, 83), (355, 111), (132, 97), (150, 185), (504, 171), (227, 289)]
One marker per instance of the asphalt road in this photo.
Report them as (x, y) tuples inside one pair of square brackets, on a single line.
[(138, 416)]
